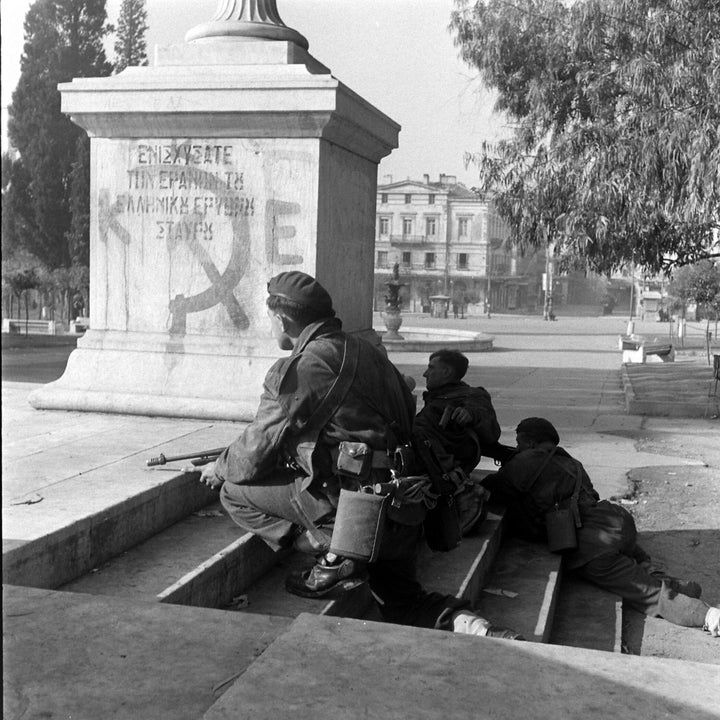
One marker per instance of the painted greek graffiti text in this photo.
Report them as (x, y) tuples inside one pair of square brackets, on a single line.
[(184, 154), (185, 231)]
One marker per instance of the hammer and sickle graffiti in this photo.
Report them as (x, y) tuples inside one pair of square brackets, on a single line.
[(221, 284), (228, 206)]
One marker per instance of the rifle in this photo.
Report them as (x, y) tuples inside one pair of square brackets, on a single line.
[(197, 458), (500, 453)]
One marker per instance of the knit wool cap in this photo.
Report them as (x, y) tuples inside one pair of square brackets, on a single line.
[(302, 289), (539, 429)]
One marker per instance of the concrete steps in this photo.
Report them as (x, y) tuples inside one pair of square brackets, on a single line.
[(111, 638), (203, 560), (68, 543), (89, 656)]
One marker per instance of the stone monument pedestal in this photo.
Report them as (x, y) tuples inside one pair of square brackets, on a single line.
[(218, 167)]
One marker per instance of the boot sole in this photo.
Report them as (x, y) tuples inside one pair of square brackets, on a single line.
[(338, 588)]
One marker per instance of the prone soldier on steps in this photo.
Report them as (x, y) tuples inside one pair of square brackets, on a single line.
[(601, 545)]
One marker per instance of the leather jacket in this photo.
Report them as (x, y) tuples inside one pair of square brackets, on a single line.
[(294, 387)]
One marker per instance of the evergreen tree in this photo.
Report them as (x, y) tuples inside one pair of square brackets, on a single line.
[(18, 216), (63, 40), (615, 154), (130, 47), (78, 236)]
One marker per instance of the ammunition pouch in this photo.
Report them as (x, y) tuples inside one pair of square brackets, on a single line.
[(358, 459)]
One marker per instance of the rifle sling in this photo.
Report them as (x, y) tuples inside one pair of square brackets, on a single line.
[(339, 389)]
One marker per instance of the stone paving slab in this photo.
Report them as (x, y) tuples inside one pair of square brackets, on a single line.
[(70, 655), (342, 669)]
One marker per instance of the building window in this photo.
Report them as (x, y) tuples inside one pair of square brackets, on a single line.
[(462, 261), (407, 226), (407, 259), (408, 198), (429, 260), (382, 258), (383, 198), (462, 227), (431, 199), (384, 226), (430, 226)]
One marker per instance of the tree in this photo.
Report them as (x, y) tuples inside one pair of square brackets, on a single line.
[(615, 149), (68, 282), (130, 47), (698, 283), (18, 218), (21, 273), (63, 40)]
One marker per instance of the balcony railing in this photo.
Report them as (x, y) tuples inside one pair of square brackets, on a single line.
[(411, 239)]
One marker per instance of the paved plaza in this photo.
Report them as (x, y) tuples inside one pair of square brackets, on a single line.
[(65, 472)]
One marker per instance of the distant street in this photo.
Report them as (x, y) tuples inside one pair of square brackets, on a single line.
[(35, 358)]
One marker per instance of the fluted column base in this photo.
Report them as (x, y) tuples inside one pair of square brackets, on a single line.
[(243, 31)]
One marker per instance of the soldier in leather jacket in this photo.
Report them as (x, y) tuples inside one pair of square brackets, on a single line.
[(280, 478)]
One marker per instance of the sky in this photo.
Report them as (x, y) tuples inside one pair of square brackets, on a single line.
[(397, 54)]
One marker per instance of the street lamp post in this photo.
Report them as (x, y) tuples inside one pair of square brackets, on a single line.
[(548, 311)]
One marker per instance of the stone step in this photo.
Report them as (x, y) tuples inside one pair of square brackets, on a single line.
[(203, 560), (74, 655), (149, 568), (521, 590), (587, 616), (462, 571), (64, 553), (88, 656), (342, 667), (459, 573)]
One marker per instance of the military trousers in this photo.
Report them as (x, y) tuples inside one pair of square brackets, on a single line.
[(623, 575), (278, 509)]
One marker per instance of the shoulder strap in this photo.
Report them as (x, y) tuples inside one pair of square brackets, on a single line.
[(339, 389), (545, 462), (576, 495)]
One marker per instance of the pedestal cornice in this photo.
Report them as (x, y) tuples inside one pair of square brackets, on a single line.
[(253, 101)]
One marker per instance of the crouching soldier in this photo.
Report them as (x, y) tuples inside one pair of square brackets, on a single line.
[(460, 424), (550, 498), (328, 421)]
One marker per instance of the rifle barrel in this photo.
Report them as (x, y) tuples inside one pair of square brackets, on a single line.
[(162, 459)]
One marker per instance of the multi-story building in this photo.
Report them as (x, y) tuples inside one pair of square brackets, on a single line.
[(447, 241)]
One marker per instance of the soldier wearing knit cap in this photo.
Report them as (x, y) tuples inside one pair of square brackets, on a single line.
[(282, 478), (542, 474)]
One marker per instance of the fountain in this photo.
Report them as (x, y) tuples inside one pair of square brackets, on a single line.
[(392, 317), (423, 339)]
